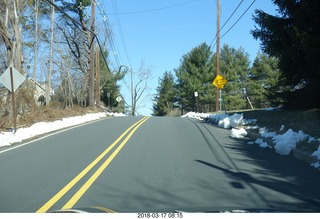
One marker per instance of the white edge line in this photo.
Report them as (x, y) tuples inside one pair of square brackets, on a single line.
[(48, 134)]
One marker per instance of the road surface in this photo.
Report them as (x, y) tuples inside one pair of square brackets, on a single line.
[(152, 164)]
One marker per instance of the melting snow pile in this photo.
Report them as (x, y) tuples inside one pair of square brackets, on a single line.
[(199, 116), (316, 154), (225, 121), (282, 143), (234, 121), (238, 133), (115, 114), (286, 142)]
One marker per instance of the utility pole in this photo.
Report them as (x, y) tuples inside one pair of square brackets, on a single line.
[(218, 53), (91, 47), (97, 78), (48, 90)]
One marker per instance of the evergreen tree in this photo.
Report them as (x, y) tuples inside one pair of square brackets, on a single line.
[(77, 7), (264, 78), (293, 37), (195, 74), (165, 97), (234, 66), (109, 84)]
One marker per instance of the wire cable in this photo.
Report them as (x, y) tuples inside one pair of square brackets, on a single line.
[(108, 33), (114, 4), (239, 18), (154, 9), (80, 26), (234, 22), (234, 11)]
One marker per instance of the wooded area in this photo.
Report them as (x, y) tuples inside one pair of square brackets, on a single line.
[(293, 36), (54, 47), (285, 74), (197, 72), (60, 52)]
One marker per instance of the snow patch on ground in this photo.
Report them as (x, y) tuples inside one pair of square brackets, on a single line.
[(283, 143), (199, 116), (238, 133), (264, 132), (286, 142), (316, 154), (262, 143), (8, 138), (115, 114)]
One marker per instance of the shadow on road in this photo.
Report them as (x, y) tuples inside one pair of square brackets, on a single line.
[(257, 166)]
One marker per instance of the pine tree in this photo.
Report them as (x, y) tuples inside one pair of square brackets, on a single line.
[(166, 95), (234, 66), (108, 84), (195, 74), (264, 78), (293, 37)]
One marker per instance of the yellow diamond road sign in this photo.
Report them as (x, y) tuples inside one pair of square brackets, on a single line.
[(219, 82)]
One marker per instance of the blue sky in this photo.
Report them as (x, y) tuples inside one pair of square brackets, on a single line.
[(159, 33)]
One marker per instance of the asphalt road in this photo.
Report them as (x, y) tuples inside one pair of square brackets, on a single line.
[(156, 164)]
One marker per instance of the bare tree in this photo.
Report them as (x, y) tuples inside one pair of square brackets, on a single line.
[(138, 87), (10, 32), (65, 92)]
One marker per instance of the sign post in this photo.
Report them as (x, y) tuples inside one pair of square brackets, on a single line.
[(219, 83), (119, 99), (12, 79), (14, 110), (197, 102), (108, 95), (244, 92)]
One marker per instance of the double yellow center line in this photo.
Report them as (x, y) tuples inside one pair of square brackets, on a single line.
[(75, 198)]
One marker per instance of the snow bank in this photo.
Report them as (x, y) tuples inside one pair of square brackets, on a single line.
[(262, 143), (286, 142), (316, 154), (222, 120), (238, 133), (115, 114), (283, 143), (226, 121), (236, 120), (8, 138), (199, 116), (264, 132)]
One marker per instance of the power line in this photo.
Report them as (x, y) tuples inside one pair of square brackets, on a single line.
[(239, 18), (236, 21), (79, 26), (110, 39), (234, 11), (154, 9), (68, 16), (114, 4)]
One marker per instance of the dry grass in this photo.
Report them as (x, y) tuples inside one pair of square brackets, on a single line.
[(45, 114), (306, 120)]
